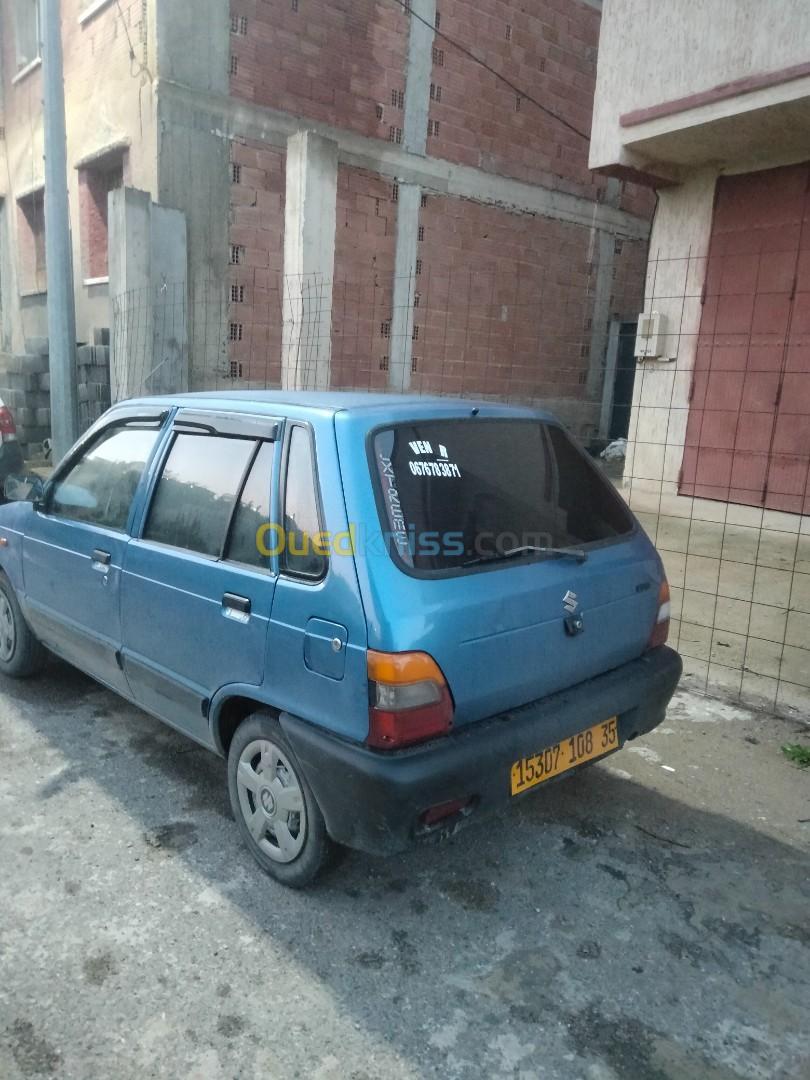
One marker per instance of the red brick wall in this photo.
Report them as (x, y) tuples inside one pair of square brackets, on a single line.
[(338, 61), (329, 60), (255, 284), (94, 186), (365, 239), (505, 303), (630, 270), (636, 199), (31, 243), (548, 48)]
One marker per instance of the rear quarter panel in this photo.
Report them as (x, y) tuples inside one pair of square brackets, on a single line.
[(303, 611)]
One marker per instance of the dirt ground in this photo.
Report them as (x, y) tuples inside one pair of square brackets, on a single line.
[(646, 920)]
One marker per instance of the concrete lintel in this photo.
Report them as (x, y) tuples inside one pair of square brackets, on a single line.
[(92, 9), (108, 150), (33, 188), (229, 118), (24, 72)]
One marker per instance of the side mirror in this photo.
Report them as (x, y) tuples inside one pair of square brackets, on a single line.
[(27, 488)]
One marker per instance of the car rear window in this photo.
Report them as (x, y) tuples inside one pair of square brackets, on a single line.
[(456, 493)]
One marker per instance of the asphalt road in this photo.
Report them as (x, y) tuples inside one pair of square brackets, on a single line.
[(648, 920)]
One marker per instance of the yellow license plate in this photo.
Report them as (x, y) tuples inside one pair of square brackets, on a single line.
[(585, 746)]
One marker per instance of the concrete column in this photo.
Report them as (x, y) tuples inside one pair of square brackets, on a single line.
[(399, 364), (148, 296), (193, 169), (417, 75), (609, 381), (605, 244), (58, 254), (310, 217), (414, 138)]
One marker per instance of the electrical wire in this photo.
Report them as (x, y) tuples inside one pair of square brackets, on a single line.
[(406, 7), (142, 67)]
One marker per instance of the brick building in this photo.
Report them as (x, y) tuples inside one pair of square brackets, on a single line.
[(382, 193)]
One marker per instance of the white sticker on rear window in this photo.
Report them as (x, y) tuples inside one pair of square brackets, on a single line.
[(434, 468), (396, 517)]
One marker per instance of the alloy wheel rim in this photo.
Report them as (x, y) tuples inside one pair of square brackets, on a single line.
[(8, 630), (271, 800)]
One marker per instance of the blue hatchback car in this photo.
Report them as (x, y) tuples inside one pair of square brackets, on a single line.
[(391, 614)]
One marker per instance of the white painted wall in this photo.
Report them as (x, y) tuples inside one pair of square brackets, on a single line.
[(653, 51), (675, 275), (108, 99)]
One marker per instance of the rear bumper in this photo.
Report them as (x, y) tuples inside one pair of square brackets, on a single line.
[(373, 801)]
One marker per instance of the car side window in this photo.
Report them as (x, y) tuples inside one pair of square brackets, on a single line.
[(302, 552), (196, 492), (100, 486), (247, 545)]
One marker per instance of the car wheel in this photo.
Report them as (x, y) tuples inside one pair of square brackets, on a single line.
[(21, 655), (273, 804)]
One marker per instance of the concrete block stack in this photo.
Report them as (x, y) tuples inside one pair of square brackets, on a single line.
[(25, 389), (93, 378), (25, 386)]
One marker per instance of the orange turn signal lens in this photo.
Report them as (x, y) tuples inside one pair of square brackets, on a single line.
[(405, 667)]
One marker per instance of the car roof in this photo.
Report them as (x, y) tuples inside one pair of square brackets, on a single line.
[(336, 401)]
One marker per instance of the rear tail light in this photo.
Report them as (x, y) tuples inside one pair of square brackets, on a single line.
[(408, 699), (660, 630), (8, 429)]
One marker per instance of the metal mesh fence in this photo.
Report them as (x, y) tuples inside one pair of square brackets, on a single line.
[(718, 464), (717, 414), (500, 336)]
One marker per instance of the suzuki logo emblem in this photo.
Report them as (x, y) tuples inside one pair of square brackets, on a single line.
[(570, 602)]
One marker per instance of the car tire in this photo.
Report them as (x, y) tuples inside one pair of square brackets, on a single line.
[(275, 810), (21, 654)]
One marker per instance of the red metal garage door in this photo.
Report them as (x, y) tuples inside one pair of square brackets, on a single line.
[(748, 432)]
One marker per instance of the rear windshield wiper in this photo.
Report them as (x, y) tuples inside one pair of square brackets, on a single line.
[(529, 549)]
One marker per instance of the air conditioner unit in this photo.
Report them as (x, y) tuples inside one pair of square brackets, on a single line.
[(651, 335)]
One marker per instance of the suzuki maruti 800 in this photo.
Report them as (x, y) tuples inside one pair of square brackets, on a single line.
[(391, 614)]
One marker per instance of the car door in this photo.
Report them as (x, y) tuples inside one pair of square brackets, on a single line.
[(197, 591), (73, 550)]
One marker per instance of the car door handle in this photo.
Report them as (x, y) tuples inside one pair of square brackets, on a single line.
[(100, 560), (236, 607)]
